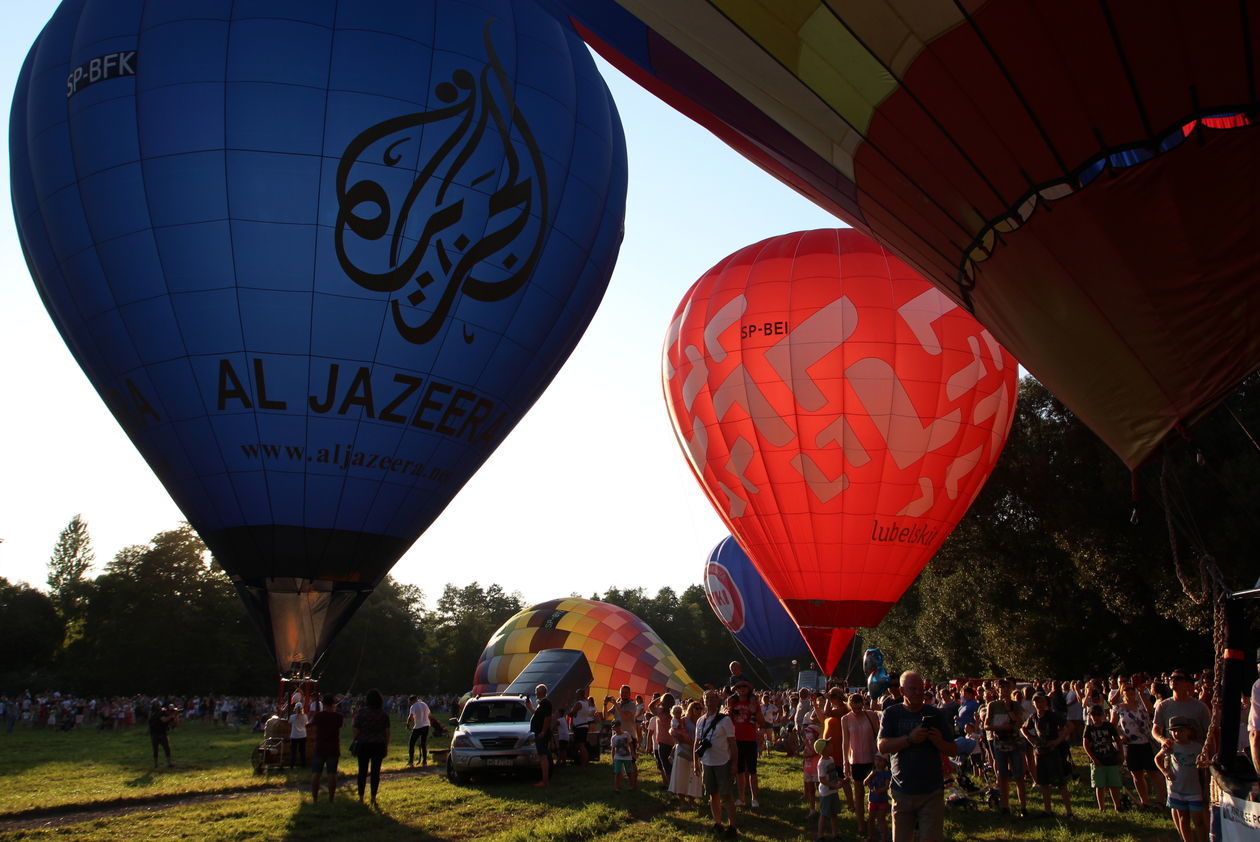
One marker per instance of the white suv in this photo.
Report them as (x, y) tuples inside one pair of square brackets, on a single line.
[(491, 734)]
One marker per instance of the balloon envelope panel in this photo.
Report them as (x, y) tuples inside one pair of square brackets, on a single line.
[(1084, 174), (841, 413), (621, 649), (747, 607), (318, 258)]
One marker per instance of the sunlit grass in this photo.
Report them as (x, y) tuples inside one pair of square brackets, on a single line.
[(43, 770)]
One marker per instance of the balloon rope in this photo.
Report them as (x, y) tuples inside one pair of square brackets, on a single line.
[(355, 679), (1212, 589), (1209, 574), (1242, 427), (750, 657), (848, 671)]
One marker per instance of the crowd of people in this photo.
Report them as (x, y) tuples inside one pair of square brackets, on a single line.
[(66, 712), (895, 760)]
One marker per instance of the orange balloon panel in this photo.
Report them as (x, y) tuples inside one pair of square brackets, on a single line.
[(620, 648), (840, 412)]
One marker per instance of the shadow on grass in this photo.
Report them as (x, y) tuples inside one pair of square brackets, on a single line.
[(1087, 823), (142, 780), (346, 818)]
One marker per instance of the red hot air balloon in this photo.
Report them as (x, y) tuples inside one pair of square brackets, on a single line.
[(841, 413)]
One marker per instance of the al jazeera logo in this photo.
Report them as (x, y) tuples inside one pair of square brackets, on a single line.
[(421, 217)]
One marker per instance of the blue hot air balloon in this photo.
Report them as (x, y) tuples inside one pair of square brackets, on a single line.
[(747, 607), (318, 258)]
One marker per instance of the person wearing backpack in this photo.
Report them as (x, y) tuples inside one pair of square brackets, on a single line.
[(714, 753)]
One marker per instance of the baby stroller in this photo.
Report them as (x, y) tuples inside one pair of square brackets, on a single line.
[(976, 779), (960, 790), (271, 755)]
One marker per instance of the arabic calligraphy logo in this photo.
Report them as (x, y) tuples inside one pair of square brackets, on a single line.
[(473, 209)]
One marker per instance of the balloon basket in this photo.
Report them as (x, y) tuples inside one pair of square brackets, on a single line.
[(293, 691)]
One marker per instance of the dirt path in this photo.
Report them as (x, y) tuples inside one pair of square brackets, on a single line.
[(42, 817)]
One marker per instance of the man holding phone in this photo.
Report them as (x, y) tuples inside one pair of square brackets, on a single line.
[(915, 735)]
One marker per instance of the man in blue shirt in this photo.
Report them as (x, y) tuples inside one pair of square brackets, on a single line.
[(915, 735), (967, 710)]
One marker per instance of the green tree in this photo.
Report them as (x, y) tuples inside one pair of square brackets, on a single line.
[(1048, 575), (385, 644), (71, 559), (32, 631), (459, 628), (163, 619)]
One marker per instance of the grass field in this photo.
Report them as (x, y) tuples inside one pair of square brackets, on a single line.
[(93, 785)]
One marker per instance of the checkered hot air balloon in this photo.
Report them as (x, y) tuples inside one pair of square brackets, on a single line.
[(621, 649)]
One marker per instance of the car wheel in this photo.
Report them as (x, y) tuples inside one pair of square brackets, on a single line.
[(453, 775)]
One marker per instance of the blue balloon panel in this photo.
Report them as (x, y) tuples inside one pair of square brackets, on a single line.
[(319, 258), (744, 603)]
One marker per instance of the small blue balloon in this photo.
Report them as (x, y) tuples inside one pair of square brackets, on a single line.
[(744, 603), (877, 680), (319, 258)]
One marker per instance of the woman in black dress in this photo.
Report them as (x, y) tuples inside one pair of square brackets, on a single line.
[(371, 735)]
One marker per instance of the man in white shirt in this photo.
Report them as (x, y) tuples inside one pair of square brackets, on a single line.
[(583, 713), (418, 721), (715, 750), (804, 709)]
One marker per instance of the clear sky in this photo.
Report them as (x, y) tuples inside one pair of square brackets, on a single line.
[(589, 491)]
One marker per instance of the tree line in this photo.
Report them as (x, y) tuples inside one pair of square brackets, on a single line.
[(1062, 567), (162, 617)]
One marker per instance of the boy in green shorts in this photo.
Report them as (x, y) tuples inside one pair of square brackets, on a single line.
[(623, 757), (1102, 745)]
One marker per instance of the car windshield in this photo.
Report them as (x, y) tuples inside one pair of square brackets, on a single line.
[(503, 711)]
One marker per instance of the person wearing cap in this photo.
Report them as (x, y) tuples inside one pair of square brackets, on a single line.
[(828, 790), (916, 735), (745, 712), (1101, 741), (1179, 760), (1182, 703), (297, 736)]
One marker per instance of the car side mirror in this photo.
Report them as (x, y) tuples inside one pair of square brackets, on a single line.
[(454, 723)]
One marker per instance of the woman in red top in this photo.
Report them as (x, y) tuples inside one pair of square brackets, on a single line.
[(326, 745), (745, 713)]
